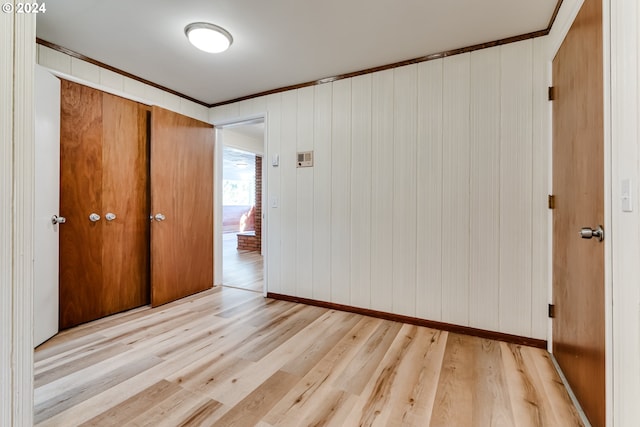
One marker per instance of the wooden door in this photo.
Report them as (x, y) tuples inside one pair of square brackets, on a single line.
[(125, 193), (578, 186), (80, 195), (182, 203), (104, 267)]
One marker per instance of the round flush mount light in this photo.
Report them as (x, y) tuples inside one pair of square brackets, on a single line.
[(208, 37)]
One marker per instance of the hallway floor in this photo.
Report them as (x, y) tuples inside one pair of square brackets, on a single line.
[(240, 269), (229, 357)]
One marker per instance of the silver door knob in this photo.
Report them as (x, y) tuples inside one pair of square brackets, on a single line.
[(588, 233), (110, 216), (94, 217), (159, 217), (58, 220)]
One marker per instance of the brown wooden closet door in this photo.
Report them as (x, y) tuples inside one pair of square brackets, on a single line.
[(104, 265), (80, 195), (125, 250), (578, 186), (182, 192)]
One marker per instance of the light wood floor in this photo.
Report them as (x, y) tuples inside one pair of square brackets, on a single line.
[(240, 269), (229, 357)]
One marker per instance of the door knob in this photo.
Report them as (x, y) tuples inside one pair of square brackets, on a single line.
[(588, 233), (58, 220), (110, 216), (159, 217), (94, 217)]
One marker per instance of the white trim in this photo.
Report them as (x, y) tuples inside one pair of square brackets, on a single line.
[(6, 226), (566, 15), (608, 199), (220, 125), (16, 245), (625, 226)]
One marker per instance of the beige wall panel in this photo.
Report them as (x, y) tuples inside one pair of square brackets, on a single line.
[(455, 200), (289, 190), (304, 208), (382, 191), (516, 187), (323, 95), (404, 190), (484, 115), (274, 221), (341, 193), (361, 191), (429, 191), (540, 190)]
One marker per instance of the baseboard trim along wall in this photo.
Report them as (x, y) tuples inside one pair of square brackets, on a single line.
[(481, 333)]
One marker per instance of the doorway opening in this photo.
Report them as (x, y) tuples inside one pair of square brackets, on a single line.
[(241, 185)]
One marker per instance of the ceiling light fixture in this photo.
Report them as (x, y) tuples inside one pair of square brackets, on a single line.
[(208, 37)]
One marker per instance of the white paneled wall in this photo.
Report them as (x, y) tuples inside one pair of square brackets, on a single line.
[(427, 196), (103, 79), (429, 191), (455, 190), (382, 127)]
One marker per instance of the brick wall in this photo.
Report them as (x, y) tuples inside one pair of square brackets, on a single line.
[(258, 220), (252, 241)]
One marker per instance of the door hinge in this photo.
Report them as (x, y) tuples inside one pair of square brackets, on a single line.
[(551, 201), (552, 93), (552, 310)]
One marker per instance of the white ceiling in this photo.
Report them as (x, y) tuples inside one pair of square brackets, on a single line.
[(277, 43)]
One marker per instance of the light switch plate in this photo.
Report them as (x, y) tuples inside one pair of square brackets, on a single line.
[(625, 195)]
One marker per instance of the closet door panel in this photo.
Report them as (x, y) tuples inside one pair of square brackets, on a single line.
[(181, 191), (80, 195), (125, 252)]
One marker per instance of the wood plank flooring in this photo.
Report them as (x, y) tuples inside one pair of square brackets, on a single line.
[(229, 357), (241, 269)]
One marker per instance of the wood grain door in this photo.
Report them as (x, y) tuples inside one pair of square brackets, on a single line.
[(125, 194), (80, 271), (578, 186), (104, 267), (182, 203)]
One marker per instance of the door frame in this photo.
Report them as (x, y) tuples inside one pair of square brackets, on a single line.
[(219, 127), (565, 18)]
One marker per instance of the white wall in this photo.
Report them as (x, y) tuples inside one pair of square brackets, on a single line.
[(428, 193), (92, 75), (17, 53), (625, 232), (243, 142)]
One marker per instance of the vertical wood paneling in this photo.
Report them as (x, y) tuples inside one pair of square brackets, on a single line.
[(516, 187), (289, 191), (6, 211), (540, 213), (274, 219), (429, 189), (382, 190), (455, 201), (404, 189), (484, 117), (322, 192), (625, 226), (361, 191), (304, 240), (415, 156), (22, 216), (340, 192)]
